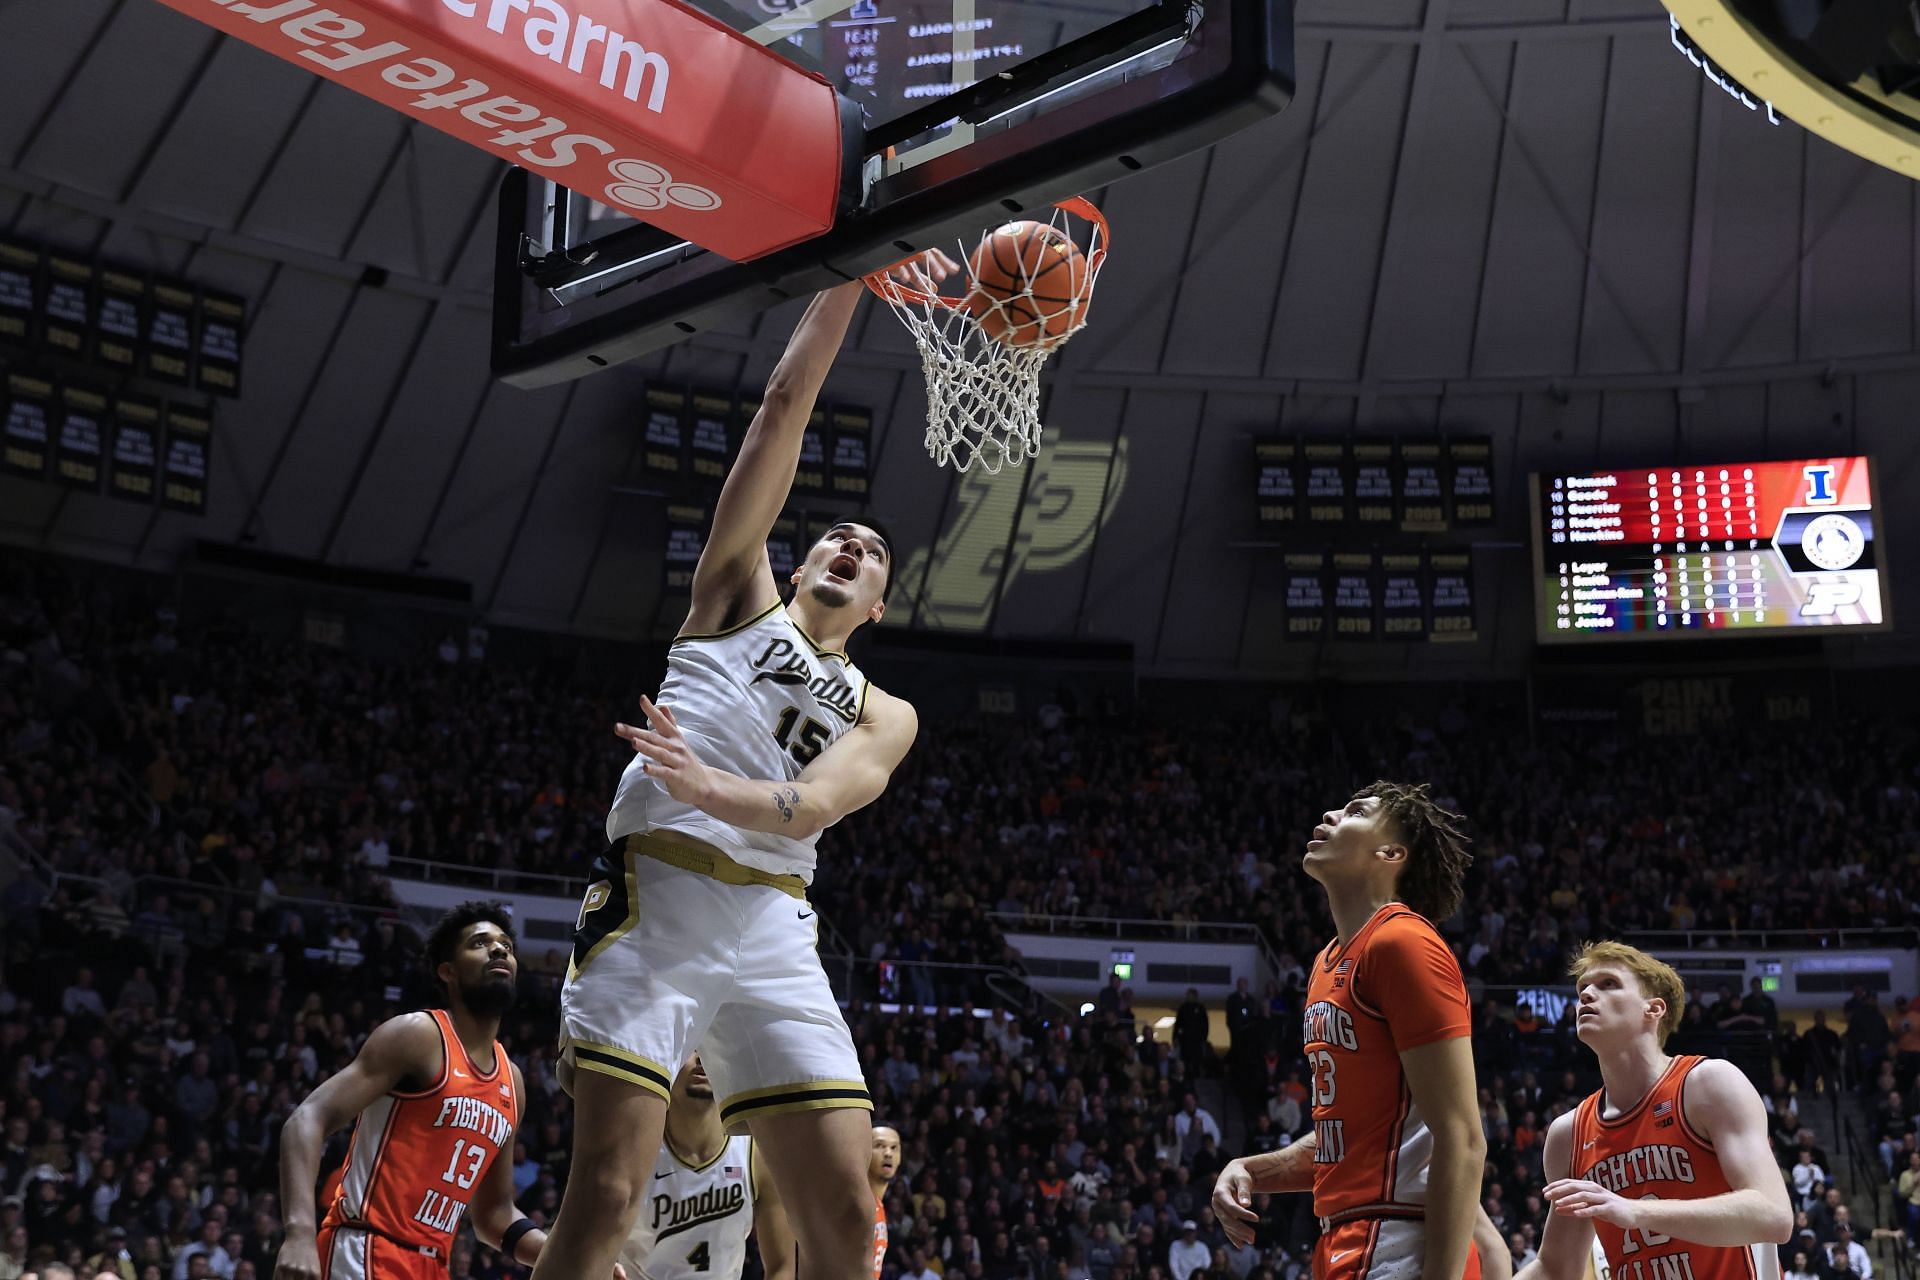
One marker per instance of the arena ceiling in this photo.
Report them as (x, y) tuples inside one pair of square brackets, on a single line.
[(1530, 218)]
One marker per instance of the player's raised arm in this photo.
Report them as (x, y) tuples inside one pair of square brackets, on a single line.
[(401, 1050), (733, 576), (1568, 1241), (847, 776)]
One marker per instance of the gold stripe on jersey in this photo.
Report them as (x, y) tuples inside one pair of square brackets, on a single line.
[(688, 854), (779, 1099), (687, 1164), (733, 630), (819, 650), (621, 1065)]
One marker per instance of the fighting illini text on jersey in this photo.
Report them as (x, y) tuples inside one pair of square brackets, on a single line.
[(1394, 987), (760, 700), (879, 1237), (415, 1161), (1649, 1150)]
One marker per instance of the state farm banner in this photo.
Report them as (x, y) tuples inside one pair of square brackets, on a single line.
[(643, 105)]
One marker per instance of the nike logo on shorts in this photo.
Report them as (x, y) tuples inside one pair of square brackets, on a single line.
[(806, 915)]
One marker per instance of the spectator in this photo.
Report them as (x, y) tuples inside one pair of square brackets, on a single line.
[(1907, 1197), (1809, 1179), (1190, 1031), (80, 999), (1189, 1254)]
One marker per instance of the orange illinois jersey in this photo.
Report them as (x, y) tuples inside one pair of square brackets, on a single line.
[(1651, 1152), (1394, 986), (416, 1158), (879, 1237)]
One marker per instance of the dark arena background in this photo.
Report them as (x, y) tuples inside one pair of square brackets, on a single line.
[(1503, 394)]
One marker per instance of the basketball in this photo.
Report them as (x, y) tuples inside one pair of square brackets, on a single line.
[(1038, 278)]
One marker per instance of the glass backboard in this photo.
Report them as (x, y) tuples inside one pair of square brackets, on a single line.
[(956, 114)]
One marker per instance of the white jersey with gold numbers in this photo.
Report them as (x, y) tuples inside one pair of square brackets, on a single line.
[(760, 700), (694, 1223)]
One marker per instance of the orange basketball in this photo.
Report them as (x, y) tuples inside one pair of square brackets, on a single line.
[(1037, 275)]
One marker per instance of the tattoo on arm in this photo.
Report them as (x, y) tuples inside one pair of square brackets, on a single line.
[(786, 800)]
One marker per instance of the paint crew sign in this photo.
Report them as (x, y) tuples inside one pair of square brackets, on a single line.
[(644, 105)]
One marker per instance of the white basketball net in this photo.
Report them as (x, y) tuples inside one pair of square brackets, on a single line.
[(983, 394)]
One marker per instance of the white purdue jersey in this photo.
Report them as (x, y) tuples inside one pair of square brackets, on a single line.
[(694, 1223), (761, 701)]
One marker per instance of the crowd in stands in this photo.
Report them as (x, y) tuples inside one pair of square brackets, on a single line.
[(199, 825)]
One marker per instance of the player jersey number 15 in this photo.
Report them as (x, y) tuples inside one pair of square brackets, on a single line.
[(803, 746)]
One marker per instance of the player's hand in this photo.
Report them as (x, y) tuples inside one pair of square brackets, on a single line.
[(619, 1272), (670, 759), (932, 265), (299, 1258), (1578, 1198), (1233, 1203)]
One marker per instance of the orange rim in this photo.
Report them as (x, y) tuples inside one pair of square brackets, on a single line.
[(897, 293)]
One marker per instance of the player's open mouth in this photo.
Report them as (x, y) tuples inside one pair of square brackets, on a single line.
[(844, 567), (1321, 833), (500, 968)]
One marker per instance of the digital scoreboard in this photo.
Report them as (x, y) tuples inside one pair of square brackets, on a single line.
[(1733, 548)]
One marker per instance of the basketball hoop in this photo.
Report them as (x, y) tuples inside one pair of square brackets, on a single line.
[(982, 351)]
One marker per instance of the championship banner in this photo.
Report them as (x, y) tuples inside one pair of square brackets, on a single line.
[(1403, 596), (189, 440), (663, 450), (852, 463), (686, 539), (810, 476), (135, 466), (1355, 595), (1328, 467), (711, 409), (1277, 487), (19, 290), (1422, 505), (220, 317), (783, 548), (83, 421), (170, 332), (643, 105), (1306, 595), (1374, 473), (67, 322), (29, 409), (120, 311), (1450, 588)]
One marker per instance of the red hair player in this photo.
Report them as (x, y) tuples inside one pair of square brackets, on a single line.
[(1669, 1162)]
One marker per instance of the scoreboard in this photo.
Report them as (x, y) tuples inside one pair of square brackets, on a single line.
[(1735, 548)]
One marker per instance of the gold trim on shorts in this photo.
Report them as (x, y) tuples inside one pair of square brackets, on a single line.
[(630, 1068), (688, 854), (814, 1095)]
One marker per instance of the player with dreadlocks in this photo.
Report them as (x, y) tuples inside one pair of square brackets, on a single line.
[(1396, 1154)]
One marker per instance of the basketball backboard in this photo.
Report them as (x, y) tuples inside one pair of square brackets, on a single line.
[(958, 113)]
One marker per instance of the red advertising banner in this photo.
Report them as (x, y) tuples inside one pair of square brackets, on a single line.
[(647, 106)]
